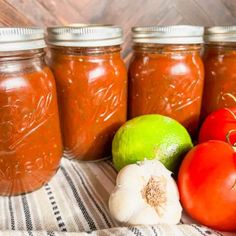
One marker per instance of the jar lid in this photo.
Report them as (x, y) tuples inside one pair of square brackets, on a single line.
[(220, 34), (174, 34), (15, 39), (83, 35)]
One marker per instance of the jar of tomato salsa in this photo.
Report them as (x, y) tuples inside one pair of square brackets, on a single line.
[(220, 69), (92, 87), (166, 73), (30, 140)]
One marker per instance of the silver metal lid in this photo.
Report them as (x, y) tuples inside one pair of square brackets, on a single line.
[(175, 34), (82, 35), (220, 34), (15, 39)]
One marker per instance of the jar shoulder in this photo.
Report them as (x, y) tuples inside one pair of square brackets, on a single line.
[(18, 76), (219, 58), (87, 66), (173, 63)]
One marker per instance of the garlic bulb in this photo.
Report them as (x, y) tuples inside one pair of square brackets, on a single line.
[(145, 193)]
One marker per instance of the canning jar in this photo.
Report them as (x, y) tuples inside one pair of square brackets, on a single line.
[(91, 79), (166, 73), (220, 69), (30, 139)]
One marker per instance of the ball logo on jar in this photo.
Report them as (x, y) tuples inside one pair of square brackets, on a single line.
[(107, 101), (9, 169), (19, 122)]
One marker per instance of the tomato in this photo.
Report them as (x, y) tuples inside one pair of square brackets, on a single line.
[(218, 124), (207, 185)]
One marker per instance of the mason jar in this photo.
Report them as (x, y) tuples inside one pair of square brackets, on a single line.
[(30, 139), (220, 69), (91, 80), (166, 73)]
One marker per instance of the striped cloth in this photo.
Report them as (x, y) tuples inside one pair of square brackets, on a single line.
[(74, 202)]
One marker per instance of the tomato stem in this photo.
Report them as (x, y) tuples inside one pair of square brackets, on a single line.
[(228, 139)]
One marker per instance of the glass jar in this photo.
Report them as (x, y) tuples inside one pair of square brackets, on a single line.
[(92, 87), (220, 69), (166, 73), (30, 139)]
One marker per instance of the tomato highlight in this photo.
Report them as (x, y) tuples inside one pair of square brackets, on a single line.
[(207, 185)]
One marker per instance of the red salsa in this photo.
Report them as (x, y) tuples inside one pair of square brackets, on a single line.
[(166, 77), (92, 92), (30, 139), (220, 69)]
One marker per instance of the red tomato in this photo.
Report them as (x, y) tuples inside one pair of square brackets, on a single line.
[(207, 185), (218, 124)]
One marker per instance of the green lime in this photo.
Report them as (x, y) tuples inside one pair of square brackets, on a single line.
[(149, 137)]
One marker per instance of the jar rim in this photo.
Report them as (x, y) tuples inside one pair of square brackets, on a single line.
[(225, 33), (21, 38), (85, 35), (172, 34)]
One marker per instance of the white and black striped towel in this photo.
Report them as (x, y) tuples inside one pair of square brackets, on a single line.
[(74, 202)]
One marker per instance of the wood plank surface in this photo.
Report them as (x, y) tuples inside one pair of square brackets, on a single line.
[(126, 13)]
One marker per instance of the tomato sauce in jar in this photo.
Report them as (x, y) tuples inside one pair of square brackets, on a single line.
[(91, 80), (220, 69), (30, 139), (166, 73)]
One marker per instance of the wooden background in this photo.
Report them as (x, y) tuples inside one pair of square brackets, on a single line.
[(126, 13)]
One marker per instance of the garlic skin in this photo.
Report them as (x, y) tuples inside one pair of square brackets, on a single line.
[(145, 193)]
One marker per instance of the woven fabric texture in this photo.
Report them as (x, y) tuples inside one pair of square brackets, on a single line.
[(75, 202)]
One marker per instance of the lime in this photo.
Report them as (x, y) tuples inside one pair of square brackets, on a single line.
[(149, 137)]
